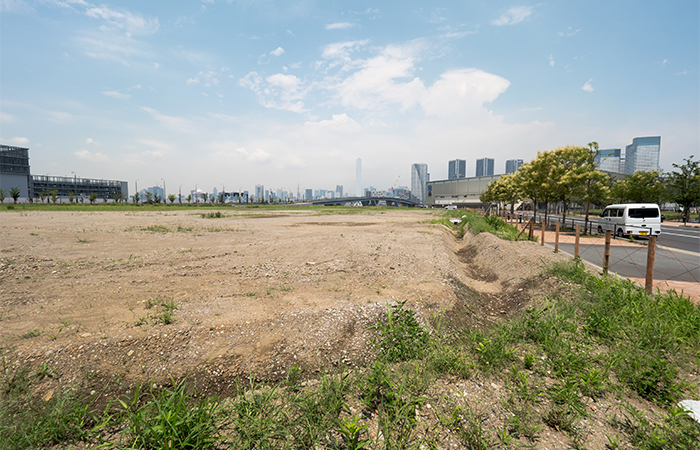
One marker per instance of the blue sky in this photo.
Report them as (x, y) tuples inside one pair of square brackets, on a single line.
[(283, 93)]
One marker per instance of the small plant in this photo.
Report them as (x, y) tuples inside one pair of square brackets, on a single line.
[(294, 378), (31, 334), (401, 336), (170, 418), (156, 229), (213, 215), (352, 434)]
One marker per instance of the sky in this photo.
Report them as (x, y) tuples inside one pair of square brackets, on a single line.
[(231, 94)]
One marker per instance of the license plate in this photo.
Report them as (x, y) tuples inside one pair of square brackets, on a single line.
[(643, 233)]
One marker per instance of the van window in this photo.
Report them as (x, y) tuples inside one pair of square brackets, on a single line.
[(642, 213), (606, 213)]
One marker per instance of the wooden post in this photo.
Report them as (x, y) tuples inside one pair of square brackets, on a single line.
[(606, 254), (651, 254), (578, 237), (532, 226), (542, 243), (524, 228), (556, 239)]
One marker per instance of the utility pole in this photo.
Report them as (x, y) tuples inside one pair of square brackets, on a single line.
[(137, 186)]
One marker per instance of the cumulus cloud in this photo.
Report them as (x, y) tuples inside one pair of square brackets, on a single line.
[(228, 150), (462, 92), (279, 91), (339, 123), (551, 60), (279, 51), (5, 117), (513, 16), (96, 157), (339, 26), (587, 86), (115, 94)]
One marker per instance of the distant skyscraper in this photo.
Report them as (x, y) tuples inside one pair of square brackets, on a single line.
[(642, 154), (457, 168), (309, 194), (259, 193), (608, 160), (419, 179), (512, 165), (484, 166), (339, 191)]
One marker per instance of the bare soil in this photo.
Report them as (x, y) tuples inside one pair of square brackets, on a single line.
[(255, 293)]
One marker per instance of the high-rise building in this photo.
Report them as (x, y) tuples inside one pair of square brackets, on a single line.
[(484, 167), (259, 193), (457, 168), (608, 160), (642, 154), (512, 165), (339, 191), (419, 179), (309, 194), (358, 178)]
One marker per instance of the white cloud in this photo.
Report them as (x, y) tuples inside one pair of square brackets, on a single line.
[(551, 60), (339, 26), (131, 24), (111, 47), (513, 16), (463, 92), (339, 123), (96, 157), (89, 141), (5, 117), (19, 140), (177, 123), (279, 51), (587, 86), (536, 108), (232, 151), (115, 94), (683, 72), (277, 91), (208, 77), (192, 81), (156, 65), (568, 32)]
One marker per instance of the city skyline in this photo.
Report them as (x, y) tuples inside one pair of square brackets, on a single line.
[(284, 94)]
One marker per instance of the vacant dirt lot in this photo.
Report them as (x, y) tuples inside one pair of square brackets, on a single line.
[(118, 297)]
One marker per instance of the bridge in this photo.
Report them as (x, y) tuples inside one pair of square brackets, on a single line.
[(364, 201)]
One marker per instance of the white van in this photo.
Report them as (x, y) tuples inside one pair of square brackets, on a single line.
[(632, 219)]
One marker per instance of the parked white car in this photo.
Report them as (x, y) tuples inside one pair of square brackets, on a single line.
[(631, 219)]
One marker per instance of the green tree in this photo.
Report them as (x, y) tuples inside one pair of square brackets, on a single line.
[(54, 195), (137, 197), (205, 196), (14, 193), (189, 198), (534, 181), (105, 198), (684, 185), (641, 187), (3, 195), (42, 195), (71, 197), (156, 198), (172, 198), (505, 189), (149, 197), (92, 198), (220, 197)]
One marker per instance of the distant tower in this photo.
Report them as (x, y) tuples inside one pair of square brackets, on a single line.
[(484, 167), (642, 154), (419, 179), (358, 178), (457, 168), (512, 165), (259, 193)]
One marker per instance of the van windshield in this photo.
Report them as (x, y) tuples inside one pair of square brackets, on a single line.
[(642, 213)]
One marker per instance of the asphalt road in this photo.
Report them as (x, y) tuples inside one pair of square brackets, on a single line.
[(677, 253)]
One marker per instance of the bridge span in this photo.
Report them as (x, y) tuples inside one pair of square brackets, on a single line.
[(364, 201)]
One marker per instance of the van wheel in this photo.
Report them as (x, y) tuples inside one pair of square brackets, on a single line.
[(600, 229), (620, 233)]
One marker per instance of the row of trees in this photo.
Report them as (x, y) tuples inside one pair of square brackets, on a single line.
[(568, 175), (14, 193)]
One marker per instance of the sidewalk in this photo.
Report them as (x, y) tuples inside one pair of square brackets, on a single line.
[(688, 288)]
